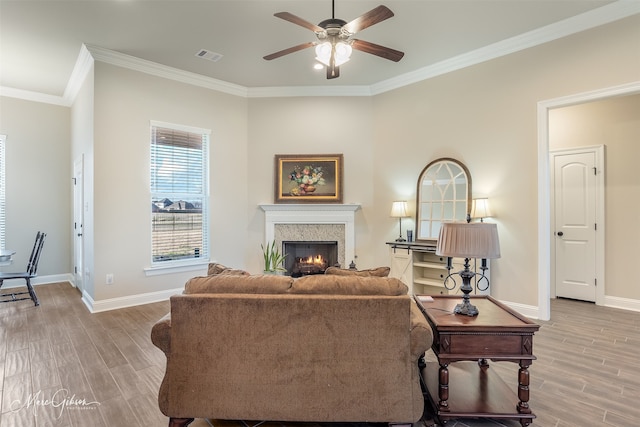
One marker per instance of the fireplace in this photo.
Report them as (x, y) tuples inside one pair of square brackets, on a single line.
[(306, 258), (313, 223)]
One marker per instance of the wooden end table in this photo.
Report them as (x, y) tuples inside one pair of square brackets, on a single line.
[(469, 389)]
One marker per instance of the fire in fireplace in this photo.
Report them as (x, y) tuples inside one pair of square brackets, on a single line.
[(304, 258)]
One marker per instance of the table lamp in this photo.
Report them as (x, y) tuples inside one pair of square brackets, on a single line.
[(480, 208), (399, 210), (468, 240)]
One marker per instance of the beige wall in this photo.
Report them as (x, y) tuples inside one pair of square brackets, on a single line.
[(614, 123), (38, 179), (125, 103), (313, 126), (484, 115)]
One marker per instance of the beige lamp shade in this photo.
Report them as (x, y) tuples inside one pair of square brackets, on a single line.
[(399, 210), (480, 208), (468, 240)]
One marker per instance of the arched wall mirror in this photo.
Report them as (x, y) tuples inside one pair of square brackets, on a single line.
[(444, 194)]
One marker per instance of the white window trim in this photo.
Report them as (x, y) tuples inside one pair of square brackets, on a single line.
[(178, 266)]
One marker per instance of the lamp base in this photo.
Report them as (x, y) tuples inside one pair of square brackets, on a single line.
[(466, 308), (400, 239)]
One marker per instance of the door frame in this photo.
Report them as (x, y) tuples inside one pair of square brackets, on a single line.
[(544, 201), (599, 152), (78, 207)]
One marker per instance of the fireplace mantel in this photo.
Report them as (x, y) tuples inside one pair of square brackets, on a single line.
[(313, 214)]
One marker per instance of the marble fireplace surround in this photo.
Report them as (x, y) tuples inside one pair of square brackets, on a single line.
[(313, 222)]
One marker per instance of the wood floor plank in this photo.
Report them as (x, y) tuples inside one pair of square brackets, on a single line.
[(586, 373), (16, 392), (44, 374), (17, 362), (128, 381)]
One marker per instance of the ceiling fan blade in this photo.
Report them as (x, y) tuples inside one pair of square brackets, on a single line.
[(374, 16), (288, 51), (376, 49), (299, 21)]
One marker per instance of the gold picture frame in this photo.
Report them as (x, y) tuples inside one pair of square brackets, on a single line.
[(308, 178)]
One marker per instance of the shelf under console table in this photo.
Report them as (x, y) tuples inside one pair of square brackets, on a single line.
[(417, 265)]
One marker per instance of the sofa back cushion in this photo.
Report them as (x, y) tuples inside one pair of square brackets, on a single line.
[(378, 272), (238, 284), (331, 284)]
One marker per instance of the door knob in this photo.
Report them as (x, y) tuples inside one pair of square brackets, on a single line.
[(79, 234), (560, 233)]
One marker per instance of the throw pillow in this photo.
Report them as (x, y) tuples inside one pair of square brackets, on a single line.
[(238, 284), (372, 272), (334, 284), (215, 268)]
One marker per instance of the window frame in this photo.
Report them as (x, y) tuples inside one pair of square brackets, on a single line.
[(192, 263)]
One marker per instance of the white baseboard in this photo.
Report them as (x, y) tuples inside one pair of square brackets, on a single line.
[(624, 303), (102, 305), (127, 301), (39, 280), (530, 311)]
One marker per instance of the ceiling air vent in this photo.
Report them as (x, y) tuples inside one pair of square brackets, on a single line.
[(207, 54)]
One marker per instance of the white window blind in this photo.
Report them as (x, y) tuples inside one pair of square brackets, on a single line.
[(2, 191), (179, 193)]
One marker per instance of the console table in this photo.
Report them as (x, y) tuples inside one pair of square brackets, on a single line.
[(469, 389)]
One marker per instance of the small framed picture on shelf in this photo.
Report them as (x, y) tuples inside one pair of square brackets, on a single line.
[(308, 178)]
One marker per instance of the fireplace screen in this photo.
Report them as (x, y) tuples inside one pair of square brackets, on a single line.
[(304, 258)]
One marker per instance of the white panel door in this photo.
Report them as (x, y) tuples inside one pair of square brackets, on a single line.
[(575, 221)]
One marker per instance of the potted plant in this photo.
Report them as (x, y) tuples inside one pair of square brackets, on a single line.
[(273, 259)]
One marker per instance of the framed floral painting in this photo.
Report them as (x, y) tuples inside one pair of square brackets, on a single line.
[(304, 178)]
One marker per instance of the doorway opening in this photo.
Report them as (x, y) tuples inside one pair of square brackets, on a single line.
[(544, 190)]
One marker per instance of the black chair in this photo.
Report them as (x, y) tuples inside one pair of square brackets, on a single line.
[(32, 268)]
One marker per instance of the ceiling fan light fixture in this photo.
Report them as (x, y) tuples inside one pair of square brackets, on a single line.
[(323, 53), (342, 53)]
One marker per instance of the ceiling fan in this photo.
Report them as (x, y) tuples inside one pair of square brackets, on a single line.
[(335, 41)]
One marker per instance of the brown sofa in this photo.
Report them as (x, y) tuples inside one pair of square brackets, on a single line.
[(324, 348)]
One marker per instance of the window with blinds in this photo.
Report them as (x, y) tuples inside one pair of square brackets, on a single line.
[(2, 191), (179, 193)]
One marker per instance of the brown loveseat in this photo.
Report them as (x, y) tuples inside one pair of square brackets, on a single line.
[(324, 348)]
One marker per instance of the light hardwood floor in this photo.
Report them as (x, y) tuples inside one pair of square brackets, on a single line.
[(103, 369)]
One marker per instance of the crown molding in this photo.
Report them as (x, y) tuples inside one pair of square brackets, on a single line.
[(291, 91), (27, 95), (83, 66), (158, 70), (603, 15), (585, 21)]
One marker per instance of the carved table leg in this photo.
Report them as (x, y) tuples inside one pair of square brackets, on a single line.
[(443, 387), (180, 422), (523, 388)]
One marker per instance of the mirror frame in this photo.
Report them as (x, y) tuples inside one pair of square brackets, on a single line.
[(419, 195)]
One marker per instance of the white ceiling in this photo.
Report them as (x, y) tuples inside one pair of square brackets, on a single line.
[(40, 41)]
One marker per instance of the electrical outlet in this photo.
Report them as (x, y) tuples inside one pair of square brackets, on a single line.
[(109, 279)]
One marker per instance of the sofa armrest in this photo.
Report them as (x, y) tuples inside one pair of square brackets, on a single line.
[(421, 333), (161, 334)]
